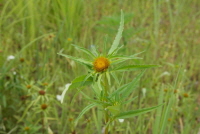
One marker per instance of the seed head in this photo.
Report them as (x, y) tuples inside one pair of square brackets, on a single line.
[(165, 90), (101, 64), (26, 128), (28, 86), (41, 92), (185, 95), (45, 84), (69, 39), (175, 91), (169, 119), (21, 60), (24, 97), (71, 119), (44, 106)]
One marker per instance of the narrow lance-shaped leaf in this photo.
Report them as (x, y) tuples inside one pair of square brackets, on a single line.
[(81, 81), (77, 82), (124, 57), (128, 101), (128, 88), (84, 111), (133, 67), (94, 50), (118, 36), (133, 113), (84, 50), (81, 61)]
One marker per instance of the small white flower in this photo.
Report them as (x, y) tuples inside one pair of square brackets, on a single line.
[(58, 97), (67, 85), (10, 57), (63, 93), (121, 120), (165, 74), (14, 73), (144, 90)]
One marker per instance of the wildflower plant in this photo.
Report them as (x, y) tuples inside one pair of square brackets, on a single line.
[(101, 67)]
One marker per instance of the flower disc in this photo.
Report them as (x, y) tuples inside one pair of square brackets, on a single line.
[(101, 64)]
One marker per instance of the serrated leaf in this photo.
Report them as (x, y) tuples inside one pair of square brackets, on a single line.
[(126, 89), (133, 113), (125, 57), (118, 36), (128, 101), (133, 67), (94, 50), (81, 81), (84, 111), (115, 77), (79, 60), (114, 109), (84, 50), (116, 50)]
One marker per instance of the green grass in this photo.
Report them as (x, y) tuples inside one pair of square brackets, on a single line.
[(34, 31)]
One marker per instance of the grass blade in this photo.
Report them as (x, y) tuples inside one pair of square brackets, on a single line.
[(133, 67), (133, 113), (84, 111)]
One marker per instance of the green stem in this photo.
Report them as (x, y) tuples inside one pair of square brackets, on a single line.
[(106, 85)]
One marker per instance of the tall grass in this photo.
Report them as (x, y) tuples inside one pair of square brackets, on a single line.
[(34, 31)]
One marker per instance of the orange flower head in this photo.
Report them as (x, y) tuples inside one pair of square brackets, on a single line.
[(101, 64)]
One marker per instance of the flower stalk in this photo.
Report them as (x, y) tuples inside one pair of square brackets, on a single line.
[(106, 88)]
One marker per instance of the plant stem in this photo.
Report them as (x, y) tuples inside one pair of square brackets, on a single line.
[(43, 124), (106, 85)]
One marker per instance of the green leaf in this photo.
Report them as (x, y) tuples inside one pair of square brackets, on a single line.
[(114, 109), (118, 36), (81, 81), (133, 67), (94, 50), (84, 50), (115, 78), (128, 101), (119, 59), (126, 89), (108, 78), (116, 50), (84, 111), (81, 61), (133, 113)]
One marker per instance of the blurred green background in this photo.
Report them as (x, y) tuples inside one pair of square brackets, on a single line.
[(32, 32)]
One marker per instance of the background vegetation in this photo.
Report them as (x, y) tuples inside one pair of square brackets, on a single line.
[(33, 32)]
